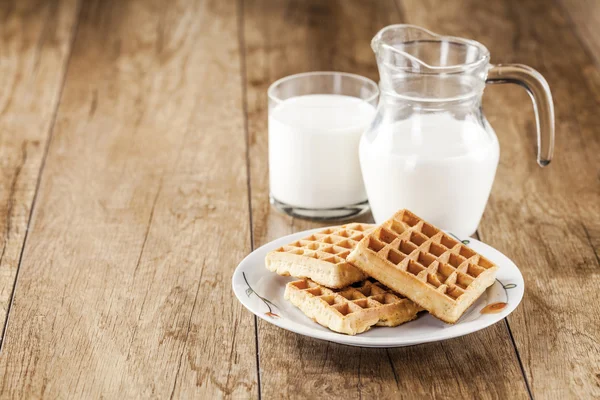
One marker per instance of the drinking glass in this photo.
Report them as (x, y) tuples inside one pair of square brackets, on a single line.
[(316, 120)]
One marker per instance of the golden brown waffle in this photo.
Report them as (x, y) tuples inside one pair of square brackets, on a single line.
[(424, 264), (321, 256), (351, 310)]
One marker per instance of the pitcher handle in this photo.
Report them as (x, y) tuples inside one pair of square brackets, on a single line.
[(540, 94)]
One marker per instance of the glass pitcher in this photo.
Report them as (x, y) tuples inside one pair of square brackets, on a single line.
[(430, 148)]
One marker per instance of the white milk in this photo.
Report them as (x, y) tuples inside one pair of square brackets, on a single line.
[(313, 150), (440, 168)]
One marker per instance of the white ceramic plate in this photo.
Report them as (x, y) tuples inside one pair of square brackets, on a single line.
[(261, 292)]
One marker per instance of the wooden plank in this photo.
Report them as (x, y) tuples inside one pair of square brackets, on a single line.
[(35, 42), (584, 16), (142, 214), (283, 38), (547, 221)]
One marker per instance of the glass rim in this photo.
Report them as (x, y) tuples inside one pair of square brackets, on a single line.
[(363, 79), (378, 43)]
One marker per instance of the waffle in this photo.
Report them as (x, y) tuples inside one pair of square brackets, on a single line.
[(351, 310), (321, 256), (424, 264)]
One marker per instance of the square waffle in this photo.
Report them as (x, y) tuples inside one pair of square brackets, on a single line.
[(351, 310), (424, 264), (321, 256)]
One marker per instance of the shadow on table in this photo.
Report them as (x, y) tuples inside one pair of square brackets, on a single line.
[(481, 364)]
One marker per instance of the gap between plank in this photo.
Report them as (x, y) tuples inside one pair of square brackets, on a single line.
[(41, 169), (587, 236), (512, 340), (242, 50)]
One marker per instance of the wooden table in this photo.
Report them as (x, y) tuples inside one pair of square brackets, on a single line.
[(134, 172)]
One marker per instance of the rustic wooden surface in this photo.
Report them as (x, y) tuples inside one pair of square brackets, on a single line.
[(134, 177), (35, 43), (141, 215)]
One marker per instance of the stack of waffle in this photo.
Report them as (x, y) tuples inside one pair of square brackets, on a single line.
[(357, 276)]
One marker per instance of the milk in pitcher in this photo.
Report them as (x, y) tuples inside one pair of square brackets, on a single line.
[(439, 167)]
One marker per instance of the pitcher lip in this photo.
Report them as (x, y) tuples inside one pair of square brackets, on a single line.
[(483, 59)]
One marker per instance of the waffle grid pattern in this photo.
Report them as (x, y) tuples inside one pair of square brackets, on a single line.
[(369, 295), (353, 309), (410, 244), (330, 245)]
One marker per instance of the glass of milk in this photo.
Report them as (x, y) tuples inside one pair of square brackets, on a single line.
[(316, 120)]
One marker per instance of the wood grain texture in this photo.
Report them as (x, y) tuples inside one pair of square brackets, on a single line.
[(142, 214), (35, 42), (546, 220), (288, 37), (142, 209), (584, 16)]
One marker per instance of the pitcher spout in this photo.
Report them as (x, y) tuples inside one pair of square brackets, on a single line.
[(416, 62), (420, 50)]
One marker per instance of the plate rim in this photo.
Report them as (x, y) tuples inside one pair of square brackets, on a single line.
[(359, 340)]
